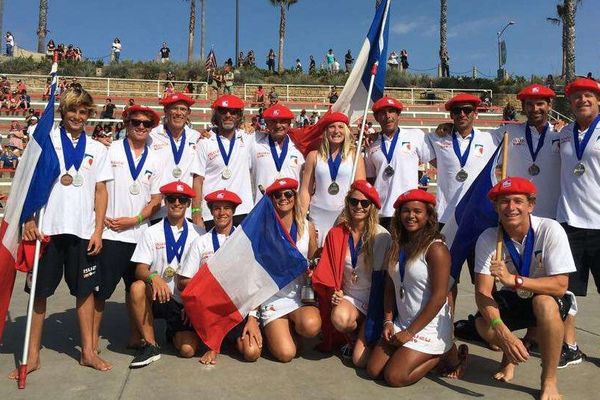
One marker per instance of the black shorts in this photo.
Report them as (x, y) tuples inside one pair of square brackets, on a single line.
[(66, 254), (237, 219), (517, 313), (114, 262), (585, 246), (171, 312)]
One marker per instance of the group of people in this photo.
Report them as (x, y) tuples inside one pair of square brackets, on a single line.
[(153, 207), (62, 52)]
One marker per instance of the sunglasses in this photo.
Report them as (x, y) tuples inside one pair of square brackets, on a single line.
[(288, 194), (137, 122), (458, 110), (182, 199), (355, 202), (224, 111)]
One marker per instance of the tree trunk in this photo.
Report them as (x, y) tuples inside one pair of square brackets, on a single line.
[(191, 32), (202, 29), (443, 28), (281, 37), (563, 73), (569, 22), (42, 26)]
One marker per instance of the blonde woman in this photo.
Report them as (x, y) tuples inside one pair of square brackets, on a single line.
[(327, 172)]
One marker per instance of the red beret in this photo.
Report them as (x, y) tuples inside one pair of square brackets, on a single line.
[(414, 195), (387, 102), (332, 117), (223, 195), (228, 101), (536, 92), (512, 185), (368, 190), (177, 188), (175, 98), (277, 112), (462, 98), (282, 184), (142, 109), (583, 84)]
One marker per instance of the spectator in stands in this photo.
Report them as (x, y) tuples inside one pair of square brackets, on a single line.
[(486, 99), (240, 59), (509, 113), (348, 61), (70, 53), (404, 59), (15, 136), (302, 119), (251, 59), (4, 101), (130, 103), (165, 52), (60, 51), (335, 68), (329, 58), (21, 86), (215, 81), (13, 102), (24, 102), (259, 96), (10, 44), (189, 88), (228, 62), (74, 84), (314, 118), (424, 181), (312, 65), (4, 84), (271, 61), (228, 78), (550, 81), (116, 50), (273, 97), (103, 135), (50, 49), (333, 95), (108, 110), (78, 54), (29, 116), (169, 89), (298, 65), (120, 132), (8, 159), (170, 76), (32, 124), (393, 60)]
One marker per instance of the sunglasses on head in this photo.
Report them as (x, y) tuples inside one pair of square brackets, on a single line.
[(182, 199), (355, 202), (458, 110), (281, 193), (137, 122)]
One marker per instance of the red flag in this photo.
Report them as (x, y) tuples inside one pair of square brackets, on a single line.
[(309, 138), (7, 278)]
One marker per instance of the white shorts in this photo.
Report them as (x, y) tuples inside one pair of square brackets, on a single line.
[(427, 341), (279, 308), (361, 305)]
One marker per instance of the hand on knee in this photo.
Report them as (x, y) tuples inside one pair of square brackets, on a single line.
[(251, 354)]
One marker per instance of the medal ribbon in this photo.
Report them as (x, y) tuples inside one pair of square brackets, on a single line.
[(294, 232), (133, 169), (462, 159), (530, 141), (174, 248), (580, 147), (73, 155), (334, 165), (215, 238), (522, 264), (177, 152), (226, 155), (402, 264), (354, 250), (388, 156), (279, 159)]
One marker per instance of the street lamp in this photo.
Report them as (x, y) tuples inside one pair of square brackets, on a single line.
[(501, 70)]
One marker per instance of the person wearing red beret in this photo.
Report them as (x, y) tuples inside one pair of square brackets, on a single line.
[(286, 315), (246, 336), (224, 158), (392, 160), (346, 276), (272, 154), (579, 202), (326, 175), (175, 141), (534, 275), (418, 337), (158, 256)]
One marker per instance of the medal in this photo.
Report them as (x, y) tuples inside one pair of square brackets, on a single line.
[(134, 189), (226, 174), (401, 291), (522, 262), (333, 189), (177, 152), (524, 294), (462, 175), (388, 171), (579, 169), (279, 159), (174, 247), (169, 272), (354, 277), (77, 180), (533, 169), (177, 172), (401, 270), (66, 179)]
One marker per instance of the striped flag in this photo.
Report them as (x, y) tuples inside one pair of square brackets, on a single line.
[(35, 175), (211, 60)]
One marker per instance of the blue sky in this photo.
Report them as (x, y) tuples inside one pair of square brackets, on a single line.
[(313, 26)]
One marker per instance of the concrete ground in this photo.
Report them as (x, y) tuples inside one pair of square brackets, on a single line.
[(311, 376)]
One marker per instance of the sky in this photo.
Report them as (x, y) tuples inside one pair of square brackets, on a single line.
[(314, 26)]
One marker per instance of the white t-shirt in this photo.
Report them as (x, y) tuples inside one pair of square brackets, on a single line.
[(70, 209), (551, 252), (321, 198), (579, 201), (548, 161), (116, 47), (264, 172), (202, 250), (211, 167), (121, 203), (152, 250), (410, 150)]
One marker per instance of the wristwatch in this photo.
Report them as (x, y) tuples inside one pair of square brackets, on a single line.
[(518, 281)]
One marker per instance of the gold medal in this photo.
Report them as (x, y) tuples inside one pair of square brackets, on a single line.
[(169, 272), (66, 179)]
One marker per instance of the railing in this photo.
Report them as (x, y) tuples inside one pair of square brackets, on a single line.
[(555, 116)]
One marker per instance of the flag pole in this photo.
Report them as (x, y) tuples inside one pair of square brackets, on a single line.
[(364, 121), (499, 236)]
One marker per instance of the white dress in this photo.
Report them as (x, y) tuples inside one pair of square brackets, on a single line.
[(436, 337)]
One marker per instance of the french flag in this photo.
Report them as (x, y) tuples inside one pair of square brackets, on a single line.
[(474, 213), (256, 262), (35, 175)]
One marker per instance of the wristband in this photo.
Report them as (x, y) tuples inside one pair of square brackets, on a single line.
[(495, 322), (148, 279), (388, 321), (254, 314), (140, 219), (196, 209)]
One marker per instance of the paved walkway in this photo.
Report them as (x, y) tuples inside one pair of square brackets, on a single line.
[(311, 376)]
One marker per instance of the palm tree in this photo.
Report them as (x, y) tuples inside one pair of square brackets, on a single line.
[(443, 31), (42, 25), (202, 29), (283, 6), (191, 31), (565, 16)]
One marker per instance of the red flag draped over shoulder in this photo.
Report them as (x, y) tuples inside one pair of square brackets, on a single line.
[(328, 277), (308, 138)]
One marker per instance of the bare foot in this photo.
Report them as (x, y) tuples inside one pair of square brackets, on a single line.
[(458, 370), (31, 366), (505, 373), (550, 392), (209, 358), (95, 362)]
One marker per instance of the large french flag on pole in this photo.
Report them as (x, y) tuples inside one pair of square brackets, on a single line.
[(473, 214), (256, 262), (35, 175)]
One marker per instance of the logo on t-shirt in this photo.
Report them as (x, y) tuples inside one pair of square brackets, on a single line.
[(478, 150), (88, 160), (406, 147), (518, 141)]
